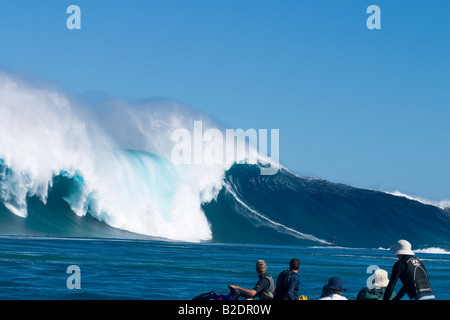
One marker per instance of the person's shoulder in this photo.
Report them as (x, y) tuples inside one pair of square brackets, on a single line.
[(294, 277), (284, 272), (399, 263)]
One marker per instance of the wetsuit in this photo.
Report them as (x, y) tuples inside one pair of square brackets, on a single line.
[(412, 273), (289, 290), (294, 281), (264, 287)]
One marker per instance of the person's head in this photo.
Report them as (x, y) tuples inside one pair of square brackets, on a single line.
[(261, 267), (294, 264), (335, 285), (401, 248)]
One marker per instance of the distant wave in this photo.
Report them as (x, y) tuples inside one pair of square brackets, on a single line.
[(432, 250), (289, 209)]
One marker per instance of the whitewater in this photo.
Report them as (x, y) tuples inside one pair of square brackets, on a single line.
[(118, 152)]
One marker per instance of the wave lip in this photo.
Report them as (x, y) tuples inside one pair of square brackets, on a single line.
[(443, 204)]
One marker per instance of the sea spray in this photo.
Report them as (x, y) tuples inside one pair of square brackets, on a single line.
[(44, 134)]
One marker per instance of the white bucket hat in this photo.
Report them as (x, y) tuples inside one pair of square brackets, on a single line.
[(402, 247), (381, 278)]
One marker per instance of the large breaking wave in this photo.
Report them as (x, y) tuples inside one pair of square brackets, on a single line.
[(101, 168), (115, 155)]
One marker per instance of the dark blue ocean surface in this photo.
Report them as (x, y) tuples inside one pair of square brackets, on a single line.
[(36, 267)]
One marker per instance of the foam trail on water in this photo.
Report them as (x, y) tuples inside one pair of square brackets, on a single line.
[(273, 224)]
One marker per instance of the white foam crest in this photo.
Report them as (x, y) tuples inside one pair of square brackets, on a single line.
[(39, 137), (443, 204), (43, 133), (148, 126)]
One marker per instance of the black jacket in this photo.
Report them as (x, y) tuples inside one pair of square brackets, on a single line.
[(411, 271)]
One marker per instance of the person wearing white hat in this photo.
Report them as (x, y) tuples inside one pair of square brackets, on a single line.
[(381, 278), (376, 292), (411, 271)]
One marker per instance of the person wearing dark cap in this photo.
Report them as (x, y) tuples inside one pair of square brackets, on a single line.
[(333, 290)]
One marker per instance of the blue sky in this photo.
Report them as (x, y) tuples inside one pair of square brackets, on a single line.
[(369, 108)]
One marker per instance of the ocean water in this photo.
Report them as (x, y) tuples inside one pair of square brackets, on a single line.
[(90, 182), (36, 267)]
